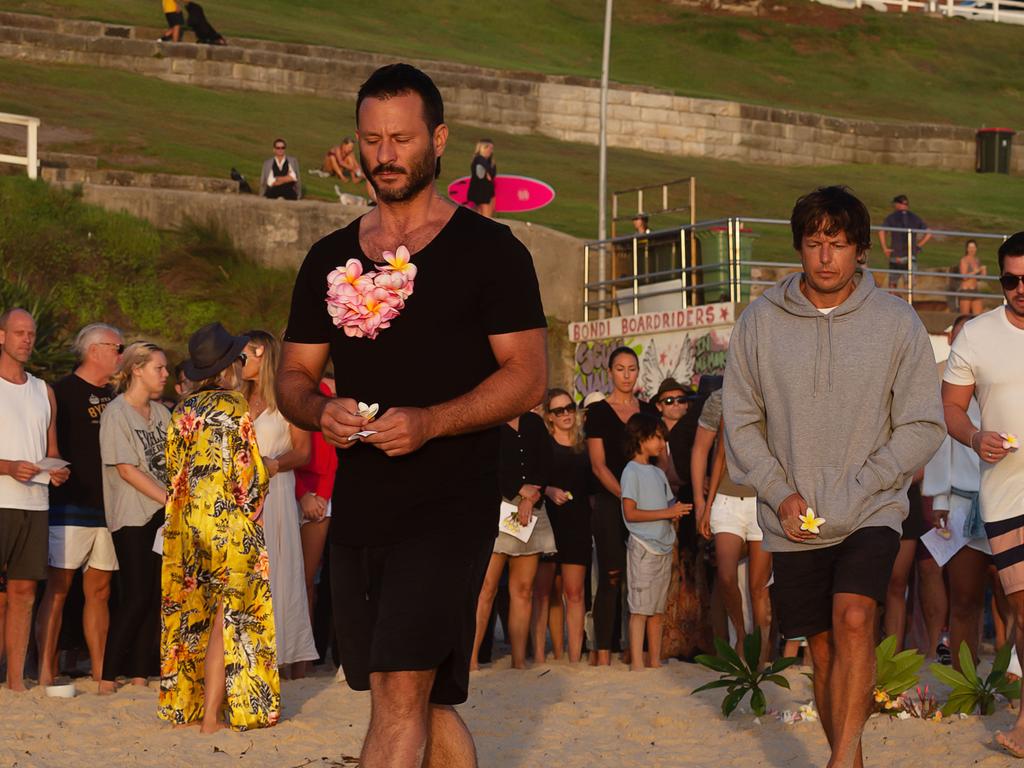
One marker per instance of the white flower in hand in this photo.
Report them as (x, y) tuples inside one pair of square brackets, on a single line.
[(810, 522), (1010, 441), (367, 411)]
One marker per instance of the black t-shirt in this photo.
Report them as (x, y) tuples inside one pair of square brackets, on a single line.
[(525, 455), (473, 280), (481, 188), (604, 423), (79, 405)]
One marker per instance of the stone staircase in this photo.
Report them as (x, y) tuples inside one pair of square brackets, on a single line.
[(67, 170)]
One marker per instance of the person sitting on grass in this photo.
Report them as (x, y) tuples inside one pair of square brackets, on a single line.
[(341, 161), (649, 511)]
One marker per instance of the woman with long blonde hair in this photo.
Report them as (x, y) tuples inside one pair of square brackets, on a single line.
[(284, 448), (133, 437), (482, 172)]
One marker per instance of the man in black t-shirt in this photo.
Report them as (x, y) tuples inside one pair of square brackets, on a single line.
[(79, 538), (446, 347), (902, 218)]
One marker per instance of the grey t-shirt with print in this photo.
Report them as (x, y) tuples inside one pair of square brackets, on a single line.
[(127, 438)]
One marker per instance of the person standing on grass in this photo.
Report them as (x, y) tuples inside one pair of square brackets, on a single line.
[(28, 412), (79, 537), (649, 511), (831, 405), (175, 21), (987, 361), (415, 505), (901, 254)]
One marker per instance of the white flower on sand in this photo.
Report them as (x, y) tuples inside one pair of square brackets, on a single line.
[(367, 411), (810, 522), (1010, 442)]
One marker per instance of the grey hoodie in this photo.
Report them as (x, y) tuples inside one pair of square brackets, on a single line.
[(841, 408)]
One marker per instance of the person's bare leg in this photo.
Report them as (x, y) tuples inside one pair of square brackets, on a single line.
[(485, 603), (573, 577), (654, 624), (48, 620), (21, 594), (967, 573), (637, 625), (313, 536), (541, 603), (820, 646), (214, 677), (521, 573), (728, 547), (854, 621), (1013, 740), (449, 743), (556, 618), (400, 720), (896, 597), (934, 602), (759, 570), (96, 616)]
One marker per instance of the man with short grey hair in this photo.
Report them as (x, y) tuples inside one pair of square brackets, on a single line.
[(79, 537), (29, 435)]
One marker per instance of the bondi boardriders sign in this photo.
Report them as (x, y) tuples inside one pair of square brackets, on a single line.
[(654, 322)]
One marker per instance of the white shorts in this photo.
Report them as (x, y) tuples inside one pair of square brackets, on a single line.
[(327, 515), (735, 515), (76, 546)]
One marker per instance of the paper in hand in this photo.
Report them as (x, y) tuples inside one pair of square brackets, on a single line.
[(46, 466)]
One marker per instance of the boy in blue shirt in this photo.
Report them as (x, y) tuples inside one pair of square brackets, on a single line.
[(650, 512)]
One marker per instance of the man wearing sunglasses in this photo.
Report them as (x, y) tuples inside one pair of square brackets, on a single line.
[(79, 538), (987, 360), (280, 178)]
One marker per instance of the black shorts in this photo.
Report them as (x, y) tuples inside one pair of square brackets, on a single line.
[(24, 543), (805, 581), (176, 19), (409, 606)]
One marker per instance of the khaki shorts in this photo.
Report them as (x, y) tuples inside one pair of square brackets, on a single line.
[(647, 579), (78, 546), (23, 543)]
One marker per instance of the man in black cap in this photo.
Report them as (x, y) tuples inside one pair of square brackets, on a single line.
[(441, 353), (902, 218)]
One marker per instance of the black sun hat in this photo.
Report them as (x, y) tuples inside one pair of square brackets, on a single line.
[(211, 349)]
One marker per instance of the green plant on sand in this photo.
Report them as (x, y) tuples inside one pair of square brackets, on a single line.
[(972, 692), (741, 675), (895, 673)]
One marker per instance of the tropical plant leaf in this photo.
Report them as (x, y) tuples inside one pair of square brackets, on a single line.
[(757, 701), (967, 667), (717, 663), (725, 651), (960, 702), (987, 703), (778, 680), (1002, 660), (752, 649), (949, 676), (732, 700), (727, 683), (781, 664)]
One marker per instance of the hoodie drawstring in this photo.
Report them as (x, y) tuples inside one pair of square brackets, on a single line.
[(817, 351), (830, 355)]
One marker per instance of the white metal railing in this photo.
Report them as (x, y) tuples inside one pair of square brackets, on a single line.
[(676, 268), (1004, 11), (31, 157)]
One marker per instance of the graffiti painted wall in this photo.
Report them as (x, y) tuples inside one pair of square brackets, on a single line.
[(683, 347)]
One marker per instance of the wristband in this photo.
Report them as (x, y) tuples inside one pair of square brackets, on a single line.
[(971, 442)]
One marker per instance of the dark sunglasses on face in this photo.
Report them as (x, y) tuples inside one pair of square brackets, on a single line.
[(1010, 282), (564, 409), (673, 400), (279, 147)]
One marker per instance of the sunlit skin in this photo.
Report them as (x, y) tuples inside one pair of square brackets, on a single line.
[(829, 264), (18, 339)]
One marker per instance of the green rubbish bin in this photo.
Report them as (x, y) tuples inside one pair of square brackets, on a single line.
[(993, 150)]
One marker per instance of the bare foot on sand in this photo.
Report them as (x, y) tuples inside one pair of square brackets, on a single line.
[(107, 687), (1012, 742), (213, 728)]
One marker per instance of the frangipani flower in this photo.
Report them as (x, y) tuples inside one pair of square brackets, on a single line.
[(367, 411), (399, 261), (810, 522), (351, 273), (1010, 441), (364, 304)]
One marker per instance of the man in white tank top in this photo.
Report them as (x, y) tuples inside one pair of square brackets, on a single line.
[(27, 409)]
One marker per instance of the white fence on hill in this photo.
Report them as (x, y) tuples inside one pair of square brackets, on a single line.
[(1004, 11), (31, 157)]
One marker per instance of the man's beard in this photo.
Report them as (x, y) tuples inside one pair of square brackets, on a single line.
[(419, 177)]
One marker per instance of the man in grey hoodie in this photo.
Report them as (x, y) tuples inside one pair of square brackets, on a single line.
[(831, 405)]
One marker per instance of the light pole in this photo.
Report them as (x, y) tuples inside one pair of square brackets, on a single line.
[(602, 162)]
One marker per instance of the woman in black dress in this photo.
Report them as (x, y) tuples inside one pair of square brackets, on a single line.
[(605, 429), (569, 512), (482, 172)]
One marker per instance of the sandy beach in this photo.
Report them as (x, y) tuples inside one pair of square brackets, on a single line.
[(551, 715)]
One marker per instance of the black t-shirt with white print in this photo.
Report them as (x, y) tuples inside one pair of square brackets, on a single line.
[(473, 280)]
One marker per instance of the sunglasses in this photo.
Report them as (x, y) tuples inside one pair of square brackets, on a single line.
[(673, 400), (119, 347), (279, 147), (563, 409), (1010, 282)]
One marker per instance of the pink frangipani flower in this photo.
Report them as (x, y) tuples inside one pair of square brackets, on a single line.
[(364, 304)]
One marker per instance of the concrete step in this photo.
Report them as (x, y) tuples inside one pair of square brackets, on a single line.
[(118, 178)]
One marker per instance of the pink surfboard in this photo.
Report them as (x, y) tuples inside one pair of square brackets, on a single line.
[(512, 194)]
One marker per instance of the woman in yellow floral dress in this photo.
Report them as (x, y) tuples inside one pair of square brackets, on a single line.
[(217, 646)]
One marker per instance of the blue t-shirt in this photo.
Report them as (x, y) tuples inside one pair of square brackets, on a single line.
[(648, 487)]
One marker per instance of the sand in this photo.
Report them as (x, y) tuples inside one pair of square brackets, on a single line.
[(552, 715)]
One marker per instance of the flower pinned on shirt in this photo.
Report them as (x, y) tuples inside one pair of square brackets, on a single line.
[(1010, 441), (810, 522), (363, 304)]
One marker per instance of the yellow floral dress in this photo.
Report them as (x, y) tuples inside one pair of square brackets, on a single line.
[(214, 553)]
